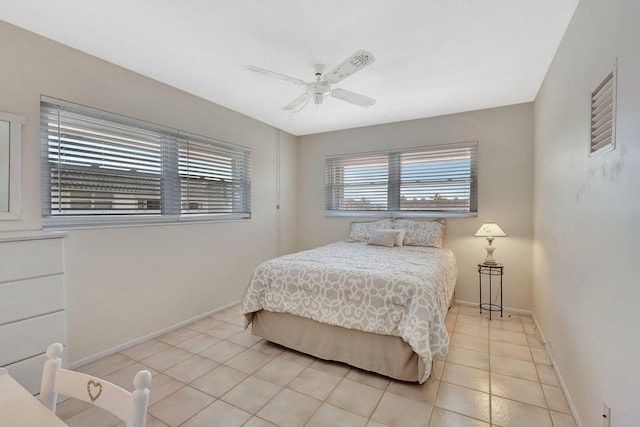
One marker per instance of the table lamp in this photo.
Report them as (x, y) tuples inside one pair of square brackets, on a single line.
[(490, 230)]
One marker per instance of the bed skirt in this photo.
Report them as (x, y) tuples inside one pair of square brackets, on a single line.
[(384, 354)]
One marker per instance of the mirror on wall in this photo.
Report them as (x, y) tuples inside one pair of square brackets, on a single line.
[(10, 140)]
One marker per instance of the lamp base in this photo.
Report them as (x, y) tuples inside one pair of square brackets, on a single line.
[(490, 260)]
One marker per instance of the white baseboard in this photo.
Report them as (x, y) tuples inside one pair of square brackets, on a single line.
[(563, 386), (116, 349), (506, 309)]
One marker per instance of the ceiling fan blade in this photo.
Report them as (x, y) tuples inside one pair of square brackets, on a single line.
[(352, 97), (275, 75), (349, 66), (298, 103)]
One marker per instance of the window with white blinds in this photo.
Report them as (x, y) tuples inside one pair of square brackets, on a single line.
[(429, 181), (101, 168)]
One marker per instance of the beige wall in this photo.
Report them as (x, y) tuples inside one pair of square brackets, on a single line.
[(505, 174), (124, 283), (586, 250), (288, 191)]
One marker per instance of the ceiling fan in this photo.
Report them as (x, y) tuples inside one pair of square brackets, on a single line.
[(321, 86)]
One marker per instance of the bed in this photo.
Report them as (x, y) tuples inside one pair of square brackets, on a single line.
[(376, 301)]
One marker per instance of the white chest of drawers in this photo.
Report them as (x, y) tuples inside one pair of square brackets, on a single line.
[(32, 302)]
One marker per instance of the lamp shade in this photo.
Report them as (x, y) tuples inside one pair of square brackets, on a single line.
[(490, 229)]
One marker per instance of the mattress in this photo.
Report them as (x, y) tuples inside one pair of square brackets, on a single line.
[(398, 292)]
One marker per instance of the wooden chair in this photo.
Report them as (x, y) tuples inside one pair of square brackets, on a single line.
[(129, 407)]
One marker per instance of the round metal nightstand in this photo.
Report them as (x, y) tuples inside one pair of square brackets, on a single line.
[(490, 271)]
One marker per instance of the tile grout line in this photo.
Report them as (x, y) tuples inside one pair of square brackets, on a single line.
[(321, 401), (544, 395)]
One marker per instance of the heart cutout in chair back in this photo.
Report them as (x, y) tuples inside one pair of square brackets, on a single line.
[(94, 389)]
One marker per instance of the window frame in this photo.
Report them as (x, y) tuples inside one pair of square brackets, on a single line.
[(171, 144), (12, 187), (395, 183)]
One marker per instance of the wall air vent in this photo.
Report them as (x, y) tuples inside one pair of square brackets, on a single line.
[(603, 116)]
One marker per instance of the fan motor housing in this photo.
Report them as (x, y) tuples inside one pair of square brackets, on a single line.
[(318, 90)]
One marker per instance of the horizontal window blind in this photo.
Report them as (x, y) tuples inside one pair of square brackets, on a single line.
[(96, 167), (99, 168), (210, 178), (358, 182), (438, 180), (428, 181)]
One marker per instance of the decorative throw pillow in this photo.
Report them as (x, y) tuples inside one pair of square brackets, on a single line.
[(360, 231), (421, 233), (383, 238), (400, 237)]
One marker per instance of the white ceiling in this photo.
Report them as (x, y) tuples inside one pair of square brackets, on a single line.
[(433, 57)]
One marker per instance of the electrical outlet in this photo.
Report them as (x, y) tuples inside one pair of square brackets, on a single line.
[(606, 414)]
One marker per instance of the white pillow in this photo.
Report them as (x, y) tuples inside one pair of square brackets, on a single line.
[(400, 236), (383, 238)]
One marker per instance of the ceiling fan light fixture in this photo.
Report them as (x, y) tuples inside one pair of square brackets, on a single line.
[(318, 98), (318, 88)]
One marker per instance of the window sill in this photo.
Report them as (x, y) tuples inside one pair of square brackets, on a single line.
[(403, 214), (91, 222)]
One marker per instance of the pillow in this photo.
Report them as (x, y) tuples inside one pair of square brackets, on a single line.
[(383, 238), (421, 233), (400, 237), (360, 231)]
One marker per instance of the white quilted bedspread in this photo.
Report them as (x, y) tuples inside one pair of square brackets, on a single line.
[(399, 291)]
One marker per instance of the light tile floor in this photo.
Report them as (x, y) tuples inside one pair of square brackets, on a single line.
[(215, 373)]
